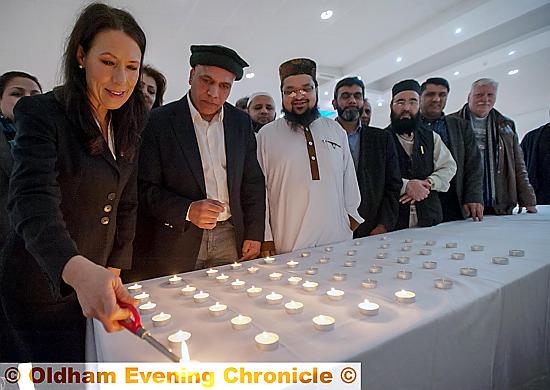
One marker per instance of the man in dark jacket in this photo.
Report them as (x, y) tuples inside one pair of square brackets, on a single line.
[(465, 196), (375, 158), (536, 151)]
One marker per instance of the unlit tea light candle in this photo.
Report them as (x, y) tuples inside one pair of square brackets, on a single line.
[(323, 322), (451, 245), (352, 252), (267, 341), (134, 288), (405, 296), (201, 297), (425, 251), (305, 254), (324, 260), (310, 286), (349, 263), (238, 284), (274, 298), (175, 279), (222, 278), (406, 248), (457, 256), (254, 291), (375, 269), (188, 290), (384, 246), (241, 322), (403, 259), (368, 308), (468, 271), (381, 255), (294, 307), (252, 270), (477, 248), (500, 260), (357, 243), (312, 270), (369, 283), (294, 280), (328, 249), (275, 276), (430, 243), (269, 260), (212, 273), (429, 264), (236, 266), (335, 294), (161, 319), (218, 309), (443, 283), (176, 339), (143, 296), (292, 264), (338, 276), (408, 240), (147, 308), (404, 274), (516, 252)]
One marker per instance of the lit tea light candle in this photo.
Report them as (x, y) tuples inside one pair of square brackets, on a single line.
[(175, 341), (425, 251), (375, 269), (369, 283), (382, 255), (350, 263), (457, 256), (405, 296), (142, 297), (516, 252), (310, 286), (305, 254), (324, 260), (451, 245), (294, 280), (201, 297), (269, 260), (429, 264), (238, 284), (134, 288), (356, 242), (500, 260), (212, 273), (217, 309), (252, 270), (274, 298), (175, 279), (384, 246), (334, 294), (275, 276), (406, 248), (254, 291), (241, 322), (292, 264), (477, 248), (267, 341), (323, 322), (161, 319), (405, 275), (338, 276), (468, 271), (430, 243), (403, 259), (236, 266), (368, 308), (188, 290), (148, 308), (222, 278), (328, 249), (351, 252), (294, 307), (312, 270), (443, 283)]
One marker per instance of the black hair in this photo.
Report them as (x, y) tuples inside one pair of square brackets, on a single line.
[(160, 80), (9, 76), (436, 81), (349, 82)]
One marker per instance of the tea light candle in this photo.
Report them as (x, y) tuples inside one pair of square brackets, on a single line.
[(236, 266), (381, 255), (323, 322), (349, 263), (369, 283), (275, 276), (406, 248), (218, 309), (405, 296), (222, 278), (176, 339), (292, 264), (274, 298), (241, 322), (201, 297), (430, 243), (161, 319), (142, 297), (294, 280), (451, 245), (254, 291), (408, 240), (477, 248), (368, 308), (457, 256), (500, 260), (312, 270), (188, 290), (516, 252), (328, 249), (252, 270), (175, 279), (425, 251), (338, 276), (269, 260), (294, 307), (375, 269), (134, 288), (468, 271), (384, 238), (324, 260), (384, 246), (404, 274), (443, 283), (403, 259), (212, 273), (148, 308), (429, 264), (305, 254), (357, 243), (310, 286), (267, 341), (352, 252), (238, 284), (334, 294)]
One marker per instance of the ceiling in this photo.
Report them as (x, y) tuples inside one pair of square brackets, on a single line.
[(363, 37)]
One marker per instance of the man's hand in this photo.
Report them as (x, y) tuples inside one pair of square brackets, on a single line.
[(204, 213), (379, 229), (251, 250), (415, 191), (530, 209), (474, 210)]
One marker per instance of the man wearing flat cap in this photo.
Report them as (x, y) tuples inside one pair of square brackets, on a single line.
[(312, 190), (199, 178), (426, 164)]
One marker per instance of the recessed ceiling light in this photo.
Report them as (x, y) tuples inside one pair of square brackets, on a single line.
[(398, 59), (326, 14), (250, 75), (511, 52), (513, 72), (458, 30), (326, 93), (456, 73)]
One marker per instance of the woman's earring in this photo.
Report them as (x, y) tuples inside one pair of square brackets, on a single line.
[(80, 66)]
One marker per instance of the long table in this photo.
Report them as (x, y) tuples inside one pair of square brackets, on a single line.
[(491, 331)]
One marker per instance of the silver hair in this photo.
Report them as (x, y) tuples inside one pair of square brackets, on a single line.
[(484, 81)]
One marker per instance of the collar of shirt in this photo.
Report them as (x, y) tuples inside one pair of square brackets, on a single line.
[(196, 116), (431, 121), (351, 133)]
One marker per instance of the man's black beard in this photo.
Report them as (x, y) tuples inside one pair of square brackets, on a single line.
[(351, 114), (304, 119), (256, 126), (402, 126)]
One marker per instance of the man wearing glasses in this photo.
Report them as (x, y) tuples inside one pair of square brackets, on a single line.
[(312, 190), (426, 164)]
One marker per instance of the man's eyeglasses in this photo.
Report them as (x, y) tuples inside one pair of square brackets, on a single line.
[(296, 92), (402, 103)]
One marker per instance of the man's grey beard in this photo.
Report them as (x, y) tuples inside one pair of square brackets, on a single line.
[(301, 120), (351, 114)]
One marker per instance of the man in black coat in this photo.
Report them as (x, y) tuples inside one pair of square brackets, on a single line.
[(375, 158), (465, 196), (536, 151), (200, 183)]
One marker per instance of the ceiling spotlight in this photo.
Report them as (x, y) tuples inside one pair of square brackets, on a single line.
[(511, 52), (398, 59), (250, 75), (326, 14), (458, 30), (456, 73), (326, 93), (513, 72)]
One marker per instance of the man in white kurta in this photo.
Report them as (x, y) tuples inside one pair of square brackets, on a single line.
[(312, 190)]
